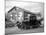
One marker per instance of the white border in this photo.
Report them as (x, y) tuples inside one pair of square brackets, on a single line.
[(2, 17)]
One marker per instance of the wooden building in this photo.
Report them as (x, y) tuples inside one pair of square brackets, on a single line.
[(23, 16)]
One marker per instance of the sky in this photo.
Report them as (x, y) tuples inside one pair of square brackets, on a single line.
[(34, 7)]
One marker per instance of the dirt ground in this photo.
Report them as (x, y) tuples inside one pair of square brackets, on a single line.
[(15, 30)]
